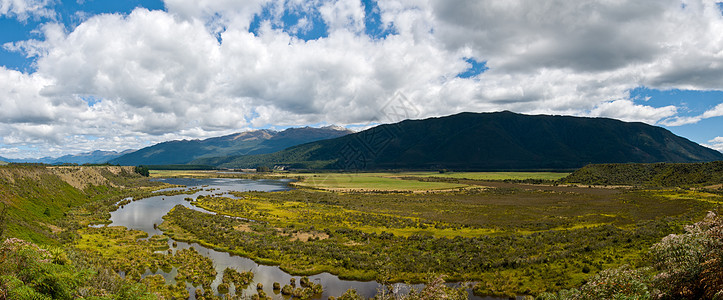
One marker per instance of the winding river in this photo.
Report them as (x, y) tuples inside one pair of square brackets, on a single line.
[(143, 214)]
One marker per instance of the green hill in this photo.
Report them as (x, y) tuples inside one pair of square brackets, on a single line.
[(660, 174), (486, 141), (33, 198), (249, 142)]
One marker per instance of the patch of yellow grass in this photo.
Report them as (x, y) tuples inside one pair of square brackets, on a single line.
[(371, 182)]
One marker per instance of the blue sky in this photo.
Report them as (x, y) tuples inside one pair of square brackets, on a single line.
[(112, 75)]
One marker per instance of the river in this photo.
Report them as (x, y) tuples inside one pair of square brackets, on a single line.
[(143, 214)]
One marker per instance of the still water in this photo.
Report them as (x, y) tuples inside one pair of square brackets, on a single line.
[(143, 214)]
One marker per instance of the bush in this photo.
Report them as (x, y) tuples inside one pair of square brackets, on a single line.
[(28, 270), (691, 264), (619, 283), (688, 266)]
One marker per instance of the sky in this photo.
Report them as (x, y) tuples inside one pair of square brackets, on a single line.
[(84, 75)]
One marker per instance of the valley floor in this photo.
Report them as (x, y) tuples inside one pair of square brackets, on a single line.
[(507, 233), (512, 238)]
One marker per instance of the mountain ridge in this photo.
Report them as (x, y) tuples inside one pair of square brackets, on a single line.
[(93, 157), (484, 141), (257, 141)]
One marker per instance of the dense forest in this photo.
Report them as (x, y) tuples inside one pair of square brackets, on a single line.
[(655, 175)]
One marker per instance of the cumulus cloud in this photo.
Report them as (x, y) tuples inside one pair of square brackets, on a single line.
[(626, 110), (717, 111), (716, 143), (24, 9), (581, 35), (195, 70)]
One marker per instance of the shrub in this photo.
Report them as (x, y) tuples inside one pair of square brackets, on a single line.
[(691, 264), (618, 283), (688, 266)]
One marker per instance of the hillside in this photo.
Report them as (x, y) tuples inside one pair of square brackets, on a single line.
[(37, 196), (249, 142), (660, 174), (486, 141)]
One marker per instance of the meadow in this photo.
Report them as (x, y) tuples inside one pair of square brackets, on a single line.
[(373, 181), (515, 239)]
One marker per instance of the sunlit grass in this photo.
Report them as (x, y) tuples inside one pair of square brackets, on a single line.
[(182, 173), (370, 182), (490, 175)]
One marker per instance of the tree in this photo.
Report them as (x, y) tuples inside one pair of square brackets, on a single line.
[(143, 170), (263, 169)]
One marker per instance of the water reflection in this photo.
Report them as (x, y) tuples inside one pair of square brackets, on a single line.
[(145, 213)]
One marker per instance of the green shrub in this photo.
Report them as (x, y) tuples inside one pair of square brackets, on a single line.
[(691, 264), (687, 266)]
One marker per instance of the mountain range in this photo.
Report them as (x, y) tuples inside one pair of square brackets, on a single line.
[(465, 141), (95, 157), (237, 144), (485, 141)]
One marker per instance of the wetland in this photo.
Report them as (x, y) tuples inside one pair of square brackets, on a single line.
[(384, 235)]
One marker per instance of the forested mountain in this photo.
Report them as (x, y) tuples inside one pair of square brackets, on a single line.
[(249, 142), (486, 141)]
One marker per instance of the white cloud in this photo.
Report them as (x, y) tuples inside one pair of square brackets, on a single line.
[(717, 111), (346, 15), (21, 101), (239, 13), (716, 143), (24, 9), (626, 110), (195, 70)]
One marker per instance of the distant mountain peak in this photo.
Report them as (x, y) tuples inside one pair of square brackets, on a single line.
[(255, 141), (263, 134), (336, 127)]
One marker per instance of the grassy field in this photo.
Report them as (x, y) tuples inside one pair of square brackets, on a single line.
[(458, 175), (371, 182), (183, 173), (520, 240), (397, 181), (489, 175)]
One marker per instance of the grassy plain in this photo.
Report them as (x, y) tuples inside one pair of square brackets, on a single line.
[(371, 182), (183, 173), (513, 238), (490, 175)]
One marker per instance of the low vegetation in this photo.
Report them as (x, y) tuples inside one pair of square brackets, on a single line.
[(30, 272), (371, 182), (555, 242), (514, 241), (681, 266), (510, 176), (39, 198)]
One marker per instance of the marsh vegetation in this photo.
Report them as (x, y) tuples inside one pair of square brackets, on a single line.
[(507, 238), (511, 240)]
